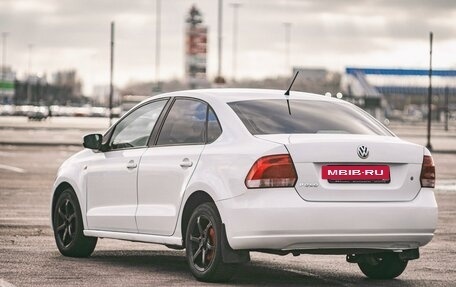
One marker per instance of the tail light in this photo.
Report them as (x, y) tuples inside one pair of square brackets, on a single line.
[(427, 172), (272, 171)]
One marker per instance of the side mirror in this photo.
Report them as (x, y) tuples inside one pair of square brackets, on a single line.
[(93, 141)]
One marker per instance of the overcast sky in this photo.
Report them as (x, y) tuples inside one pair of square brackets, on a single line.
[(74, 34)]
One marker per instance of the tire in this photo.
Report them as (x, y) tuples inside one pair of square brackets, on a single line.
[(388, 266), (68, 227), (203, 245)]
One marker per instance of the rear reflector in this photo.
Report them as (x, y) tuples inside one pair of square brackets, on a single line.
[(427, 172), (272, 171)]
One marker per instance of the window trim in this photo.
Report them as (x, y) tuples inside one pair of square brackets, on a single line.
[(249, 124), (156, 133), (106, 147), (207, 124)]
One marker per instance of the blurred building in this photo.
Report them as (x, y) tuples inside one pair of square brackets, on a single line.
[(70, 80), (315, 80), (196, 50), (64, 89), (311, 74), (399, 89), (7, 78), (36, 90), (100, 96)]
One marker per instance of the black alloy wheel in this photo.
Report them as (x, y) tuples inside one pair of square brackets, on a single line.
[(202, 242), (68, 227), (203, 245), (66, 222)]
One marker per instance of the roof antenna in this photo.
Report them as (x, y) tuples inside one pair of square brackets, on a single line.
[(287, 93)]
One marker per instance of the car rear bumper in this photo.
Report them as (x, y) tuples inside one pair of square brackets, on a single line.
[(280, 219)]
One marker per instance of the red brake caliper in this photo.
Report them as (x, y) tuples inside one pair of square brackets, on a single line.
[(210, 254)]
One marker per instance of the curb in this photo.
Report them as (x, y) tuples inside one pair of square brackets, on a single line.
[(40, 144), (443, 151)]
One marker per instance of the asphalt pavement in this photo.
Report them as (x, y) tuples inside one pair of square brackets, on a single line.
[(29, 257)]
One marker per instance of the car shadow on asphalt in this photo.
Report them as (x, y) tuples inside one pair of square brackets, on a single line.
[(258, 272)]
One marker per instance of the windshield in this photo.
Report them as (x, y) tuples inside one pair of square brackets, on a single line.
[(307, 117)]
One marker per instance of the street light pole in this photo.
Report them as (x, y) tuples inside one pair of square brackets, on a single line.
[(219, 38), (111, 75), (287, 26), (235, 36), (219, 80), (157, 44), (4, 37), (447, 109), (429, 118), (29, 91), (30, 50)]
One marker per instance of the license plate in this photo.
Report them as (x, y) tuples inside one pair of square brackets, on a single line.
[(356, 173)]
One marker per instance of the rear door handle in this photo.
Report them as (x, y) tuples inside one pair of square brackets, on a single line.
[(131, 164), (186, 163)]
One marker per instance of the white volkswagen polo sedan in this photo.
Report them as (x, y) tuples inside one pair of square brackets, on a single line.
[(224, 172)]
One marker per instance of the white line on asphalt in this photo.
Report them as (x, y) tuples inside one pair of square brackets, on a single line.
[(326, 280), (446, 185), (23, 218), (4, 283), (12, 168)]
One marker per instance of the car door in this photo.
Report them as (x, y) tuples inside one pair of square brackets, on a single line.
[(166, 167), (112, 175)]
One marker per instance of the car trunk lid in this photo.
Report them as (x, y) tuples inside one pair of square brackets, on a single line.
[(328, 164)]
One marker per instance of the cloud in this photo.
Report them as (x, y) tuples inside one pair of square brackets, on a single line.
[(329, 33)]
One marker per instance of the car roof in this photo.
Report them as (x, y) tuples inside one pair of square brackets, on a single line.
[(233, 95)]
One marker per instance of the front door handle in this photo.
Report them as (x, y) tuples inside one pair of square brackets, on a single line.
[(186, 163), (131, 164)]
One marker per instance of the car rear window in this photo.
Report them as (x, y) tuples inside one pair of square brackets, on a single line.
[(307, 117)]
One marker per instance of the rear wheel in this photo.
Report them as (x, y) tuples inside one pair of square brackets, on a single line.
[(384, 266), (203, 245), (68, 227)]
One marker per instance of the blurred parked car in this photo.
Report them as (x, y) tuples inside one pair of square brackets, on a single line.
[(38, 113), (6, 110)]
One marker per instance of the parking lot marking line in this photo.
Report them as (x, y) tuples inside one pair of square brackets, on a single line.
[(26, 219), (12, 168), (326, 280), (4, 283)]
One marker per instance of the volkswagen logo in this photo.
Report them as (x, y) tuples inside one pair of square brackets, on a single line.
[(363, 151)]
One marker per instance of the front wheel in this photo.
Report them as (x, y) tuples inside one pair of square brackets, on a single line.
[(384, 266), (68, 227), (204, 245)]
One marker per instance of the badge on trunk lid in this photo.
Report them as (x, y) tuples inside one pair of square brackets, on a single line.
[(363, 151)]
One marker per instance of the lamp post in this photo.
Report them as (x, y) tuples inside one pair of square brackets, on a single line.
[(4, 38), (157, 44), (219, 80), (287, 26), (30, 50), (429, 118), (111, 75), (235, 7), (29, 71), (447, 109)]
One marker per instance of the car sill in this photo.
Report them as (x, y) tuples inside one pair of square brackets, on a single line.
[(168, 240)]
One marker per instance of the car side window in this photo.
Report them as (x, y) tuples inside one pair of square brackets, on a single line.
[(134, 130), (214, 130), (185, 123)]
